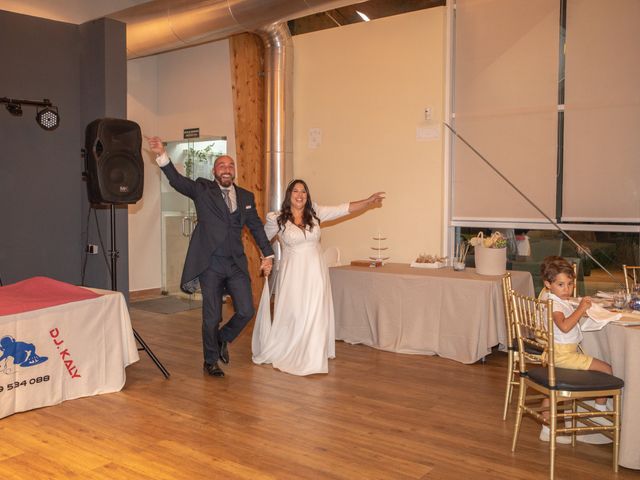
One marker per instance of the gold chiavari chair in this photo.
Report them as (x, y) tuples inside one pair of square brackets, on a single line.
[(512, 344), (630, 272), (575, 279), (534, 327)]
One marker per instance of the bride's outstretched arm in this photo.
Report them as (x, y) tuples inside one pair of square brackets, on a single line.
[(373, 201), (326, 213)]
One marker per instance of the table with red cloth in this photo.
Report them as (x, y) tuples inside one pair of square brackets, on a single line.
[(59, 342)]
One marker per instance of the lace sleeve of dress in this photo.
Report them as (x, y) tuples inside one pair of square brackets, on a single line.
[(327, 213), (271, 225)]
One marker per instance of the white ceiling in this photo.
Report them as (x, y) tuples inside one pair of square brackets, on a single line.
[(71, 11)]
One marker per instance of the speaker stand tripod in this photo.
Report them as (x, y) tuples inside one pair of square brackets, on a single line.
[(114, 286)]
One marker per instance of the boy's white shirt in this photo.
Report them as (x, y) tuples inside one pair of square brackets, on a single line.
[(572, 336)]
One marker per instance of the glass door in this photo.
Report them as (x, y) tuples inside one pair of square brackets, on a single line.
[(193, 158)]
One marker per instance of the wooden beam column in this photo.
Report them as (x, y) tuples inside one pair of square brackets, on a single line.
[(247, 83)]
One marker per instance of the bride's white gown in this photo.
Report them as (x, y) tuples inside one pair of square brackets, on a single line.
[(302, 335)]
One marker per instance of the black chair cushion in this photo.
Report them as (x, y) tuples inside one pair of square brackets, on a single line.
[(527, 348), (575, 380)]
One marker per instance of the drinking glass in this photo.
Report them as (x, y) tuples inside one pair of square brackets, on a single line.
[(634, 300), (619, 299)]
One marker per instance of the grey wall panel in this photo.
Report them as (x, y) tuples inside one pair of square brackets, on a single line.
[(43, 201), (39, 170), (103, 87)]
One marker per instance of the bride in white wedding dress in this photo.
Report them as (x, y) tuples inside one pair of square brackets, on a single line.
[(301, 338)]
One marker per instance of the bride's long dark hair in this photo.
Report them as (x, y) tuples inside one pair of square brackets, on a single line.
[(308, 214)]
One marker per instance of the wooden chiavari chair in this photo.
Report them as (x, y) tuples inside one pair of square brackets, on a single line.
[(534, 328)]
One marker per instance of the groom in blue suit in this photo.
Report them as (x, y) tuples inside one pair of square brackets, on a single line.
[(215, 259)]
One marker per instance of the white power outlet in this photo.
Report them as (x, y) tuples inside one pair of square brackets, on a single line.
[(428, 114)]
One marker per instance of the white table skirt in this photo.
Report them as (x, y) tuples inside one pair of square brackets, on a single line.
[(87, 345), (620, 347), (456, 315)]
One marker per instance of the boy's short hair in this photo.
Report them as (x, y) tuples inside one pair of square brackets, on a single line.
[(554, 265)]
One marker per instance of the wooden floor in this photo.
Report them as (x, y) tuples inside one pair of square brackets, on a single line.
[(376, 415)]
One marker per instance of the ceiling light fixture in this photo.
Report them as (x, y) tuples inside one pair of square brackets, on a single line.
[(363, 16), (47, 114)]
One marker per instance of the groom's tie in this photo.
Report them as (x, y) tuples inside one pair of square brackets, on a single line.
[(227, 199)]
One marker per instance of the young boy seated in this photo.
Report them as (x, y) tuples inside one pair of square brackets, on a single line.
[(558, 277)]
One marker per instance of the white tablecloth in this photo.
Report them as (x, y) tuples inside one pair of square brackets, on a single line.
[(457, 315), (620, 347), (64, 352)]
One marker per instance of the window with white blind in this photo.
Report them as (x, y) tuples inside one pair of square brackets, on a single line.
[(505, 91), (558, 119), (547, 92), (601, 174)]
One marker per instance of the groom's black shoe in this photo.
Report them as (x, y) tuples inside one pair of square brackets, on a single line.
[(224, 352), (213, 370)]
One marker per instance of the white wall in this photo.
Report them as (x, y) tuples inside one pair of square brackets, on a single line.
[(144, 216), (366, 87), (166, 94)]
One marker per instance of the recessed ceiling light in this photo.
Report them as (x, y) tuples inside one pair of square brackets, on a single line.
[(362, 16)]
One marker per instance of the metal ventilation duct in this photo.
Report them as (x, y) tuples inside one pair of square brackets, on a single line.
[(164, 25), (278, 60)]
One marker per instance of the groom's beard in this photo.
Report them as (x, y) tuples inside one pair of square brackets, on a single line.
[(225, 181)]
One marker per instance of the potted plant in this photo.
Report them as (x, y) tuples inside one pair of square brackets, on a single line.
[(490, 253)]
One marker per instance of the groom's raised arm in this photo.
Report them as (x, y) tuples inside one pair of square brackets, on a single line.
[(182, 184)]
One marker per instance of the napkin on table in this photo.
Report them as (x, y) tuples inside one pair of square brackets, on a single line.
[(607, 295), (597, 318)]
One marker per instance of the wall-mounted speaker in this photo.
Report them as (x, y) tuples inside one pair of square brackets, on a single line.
[(114, 168)]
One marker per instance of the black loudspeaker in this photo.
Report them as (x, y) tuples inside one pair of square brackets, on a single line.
[(114, 168)]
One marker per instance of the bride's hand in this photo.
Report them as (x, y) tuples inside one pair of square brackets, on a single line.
[(266, 266), (376, 199)]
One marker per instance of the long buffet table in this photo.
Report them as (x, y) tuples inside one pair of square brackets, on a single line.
[(78, 345), (456, 315)]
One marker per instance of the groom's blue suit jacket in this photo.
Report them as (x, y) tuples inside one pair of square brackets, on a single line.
[(213, 226)]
